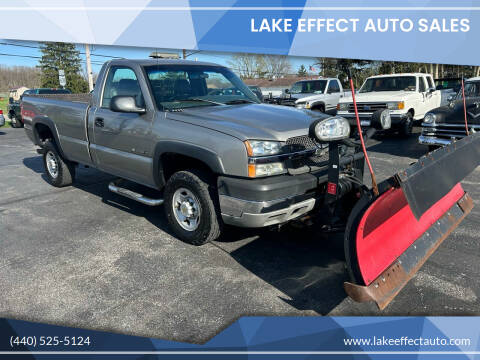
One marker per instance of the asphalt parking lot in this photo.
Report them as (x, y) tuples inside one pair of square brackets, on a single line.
[(84, 257)]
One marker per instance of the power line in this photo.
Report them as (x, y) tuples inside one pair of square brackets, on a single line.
[(39, 47)]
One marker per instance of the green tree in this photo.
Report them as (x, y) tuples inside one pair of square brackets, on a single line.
[(302, 72), (61, 56)]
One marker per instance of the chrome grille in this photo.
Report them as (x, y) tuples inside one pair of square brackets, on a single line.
[(367, 107)]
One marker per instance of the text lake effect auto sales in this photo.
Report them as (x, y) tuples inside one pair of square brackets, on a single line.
[(374, 25)]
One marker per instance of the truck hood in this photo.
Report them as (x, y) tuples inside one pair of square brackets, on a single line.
[(250, 121), (310, 98), (380, 96)]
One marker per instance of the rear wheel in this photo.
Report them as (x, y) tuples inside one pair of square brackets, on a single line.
[(60, 172), (191, 207), (407, 126)]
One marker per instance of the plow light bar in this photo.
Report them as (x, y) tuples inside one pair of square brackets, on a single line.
[(331, 129)]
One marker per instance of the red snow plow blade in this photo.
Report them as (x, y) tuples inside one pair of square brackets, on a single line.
[(390, 236)]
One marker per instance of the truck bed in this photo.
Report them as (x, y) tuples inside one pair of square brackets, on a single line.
[(80, 98)]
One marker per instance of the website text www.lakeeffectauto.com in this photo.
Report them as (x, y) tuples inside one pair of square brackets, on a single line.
[(406, 341)]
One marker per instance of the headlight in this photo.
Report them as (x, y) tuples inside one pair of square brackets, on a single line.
[(268, 169), (301, 105), (396, 105), (263, 148), (334, 128), (430, 118), (343, 106)]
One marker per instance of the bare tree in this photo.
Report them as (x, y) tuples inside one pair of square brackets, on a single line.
[(248, 65), (17, 76), (276, 66)]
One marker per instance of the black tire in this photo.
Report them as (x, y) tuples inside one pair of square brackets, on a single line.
[(204, 190), (16, 123), (407, 126), (319, 108), (433, 147), (65, 170)]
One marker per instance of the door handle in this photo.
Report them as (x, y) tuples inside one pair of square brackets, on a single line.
[(99, 122)]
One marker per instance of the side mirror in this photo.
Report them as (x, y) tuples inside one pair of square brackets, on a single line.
[(126, 104), (381, 120), (431, 90), (287, 91)]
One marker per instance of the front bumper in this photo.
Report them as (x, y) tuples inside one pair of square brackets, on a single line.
[(366, 118), (441, 134), (432, 140), (269, 201)]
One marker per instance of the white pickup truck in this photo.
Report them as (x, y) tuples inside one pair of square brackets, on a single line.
[(324, 99), (408, 96)]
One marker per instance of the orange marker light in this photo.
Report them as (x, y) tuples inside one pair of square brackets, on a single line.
[(251, 170)]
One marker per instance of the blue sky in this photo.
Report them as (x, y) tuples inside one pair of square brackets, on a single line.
[(28, 51)]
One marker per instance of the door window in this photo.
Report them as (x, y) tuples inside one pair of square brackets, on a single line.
[(421, 85), (333, 87), (122, 81), (430, 83)]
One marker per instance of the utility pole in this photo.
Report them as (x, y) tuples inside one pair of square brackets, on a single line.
[(89, 67), (184, 53)]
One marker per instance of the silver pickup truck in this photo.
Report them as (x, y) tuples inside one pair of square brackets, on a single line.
[(219, 157)]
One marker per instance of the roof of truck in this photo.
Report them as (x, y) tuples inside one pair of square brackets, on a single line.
[(476, 78), (146, 62), (399, 74)]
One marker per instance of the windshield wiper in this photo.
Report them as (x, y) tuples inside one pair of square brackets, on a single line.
[(239, 101), (202, 100)]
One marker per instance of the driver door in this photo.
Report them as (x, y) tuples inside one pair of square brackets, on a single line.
[(121, 143)]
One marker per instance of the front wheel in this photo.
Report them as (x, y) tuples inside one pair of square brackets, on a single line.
[(407, 126), (191, 207)]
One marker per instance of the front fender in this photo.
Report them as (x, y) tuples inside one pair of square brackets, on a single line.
[(207, 156)]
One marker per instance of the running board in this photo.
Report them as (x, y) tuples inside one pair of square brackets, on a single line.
[(114, 187)]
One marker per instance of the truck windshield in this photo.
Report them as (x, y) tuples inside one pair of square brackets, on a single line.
[(183, 86), (309, 87), (390, 83)]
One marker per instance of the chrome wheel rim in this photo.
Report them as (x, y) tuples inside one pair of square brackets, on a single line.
[(186, 209), (52, 164)]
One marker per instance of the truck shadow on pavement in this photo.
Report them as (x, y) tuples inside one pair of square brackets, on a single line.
[(393, 144), (305, 266)]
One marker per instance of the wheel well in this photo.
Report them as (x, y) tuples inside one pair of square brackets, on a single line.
[(172, 162), (43, 133), (318, 106)]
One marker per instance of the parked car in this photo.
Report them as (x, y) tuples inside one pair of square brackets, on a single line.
[(300, 90), (408, 97), (325, 100), (257, 91), (13, 107), (14, 113), (2, 118), (446, 124)]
